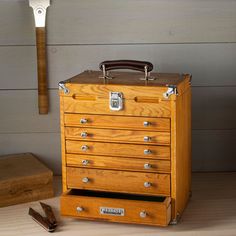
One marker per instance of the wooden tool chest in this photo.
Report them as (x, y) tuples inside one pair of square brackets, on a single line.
[(126, 144)]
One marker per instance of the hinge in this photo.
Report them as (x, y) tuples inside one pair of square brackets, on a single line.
[(63, 87), (172, 89)]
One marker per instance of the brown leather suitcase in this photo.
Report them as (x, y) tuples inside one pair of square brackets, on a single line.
[(126, 144)]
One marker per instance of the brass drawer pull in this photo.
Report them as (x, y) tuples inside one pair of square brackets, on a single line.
[(84, 148), (143, 214), (147, 152), (83, 121), (79, 209), (147, 139), (85, 180), (84, 134), (147, 166), (147, 184), (146, 123), (85, 162)]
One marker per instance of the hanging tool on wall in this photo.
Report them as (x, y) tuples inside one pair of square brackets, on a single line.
[(40, 9)]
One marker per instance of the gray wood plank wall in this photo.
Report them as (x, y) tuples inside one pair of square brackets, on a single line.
[(198, 37)]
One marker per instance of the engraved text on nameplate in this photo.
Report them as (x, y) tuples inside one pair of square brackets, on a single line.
[(112, 211)]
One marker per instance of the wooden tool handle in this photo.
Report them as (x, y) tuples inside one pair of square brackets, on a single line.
[(42, 70), (49, 214)]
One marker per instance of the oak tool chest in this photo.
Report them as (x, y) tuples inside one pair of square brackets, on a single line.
[(126, 144)]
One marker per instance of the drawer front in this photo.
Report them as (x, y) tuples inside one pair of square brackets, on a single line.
[(115, 149), (119, 122), (115, 209), (118, 163), (137, 100), (118, 181), (96, 105), (112, 135)]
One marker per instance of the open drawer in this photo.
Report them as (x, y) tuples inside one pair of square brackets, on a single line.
[(116, 207)]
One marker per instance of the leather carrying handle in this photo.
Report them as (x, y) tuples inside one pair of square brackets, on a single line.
[(126, 64), (42, 70)]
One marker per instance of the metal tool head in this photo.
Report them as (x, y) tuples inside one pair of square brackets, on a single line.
[(39, 8)]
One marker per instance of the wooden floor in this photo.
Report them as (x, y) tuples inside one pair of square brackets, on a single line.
[(211, 211)]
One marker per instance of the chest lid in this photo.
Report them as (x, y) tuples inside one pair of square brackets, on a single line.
[(172, 83)]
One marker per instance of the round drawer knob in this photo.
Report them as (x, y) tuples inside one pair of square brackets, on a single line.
[(143, 214), (84, 134), (85, 162), (147, 166), (147, 138), (147, 184), (84, 148), (79, 209), (147, 152), (85, 180), (83, 121), (146, 123)]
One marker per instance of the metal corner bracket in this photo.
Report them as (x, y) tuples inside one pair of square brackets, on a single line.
[(63, 87), (176, 220), (172, 89)]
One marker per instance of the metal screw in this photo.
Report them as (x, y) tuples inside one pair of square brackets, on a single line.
[(85, 180), (79, 209), (84, 148), (143, 214), (85, 162), (147, 138), (83, 121), (147, 184), (84, 134), (146, 123), (147, 166), (147, 152)]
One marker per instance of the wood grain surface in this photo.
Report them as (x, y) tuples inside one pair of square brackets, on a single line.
[(23, 178), (211, 211), (42, 70), (117, 149), (121, 122), (158, 213), (116, 135), (118, 181), (109, 162)]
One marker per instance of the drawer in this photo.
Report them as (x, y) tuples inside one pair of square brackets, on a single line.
[(118, 163), (118, 181), (114, 135), (115, 149), (119, 122), (123, 208), (135, 102)]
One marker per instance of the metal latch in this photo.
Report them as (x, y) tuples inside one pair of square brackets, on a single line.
[(63, 87), (116, 101), (171, 90)]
